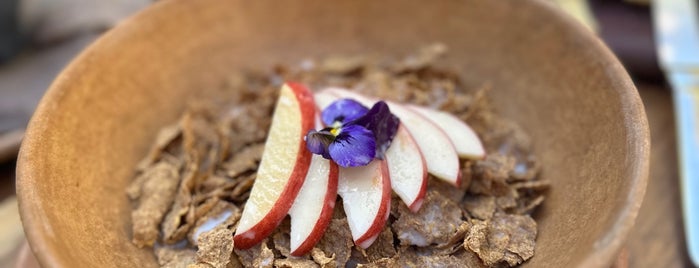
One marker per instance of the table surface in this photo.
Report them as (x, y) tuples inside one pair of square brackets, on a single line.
[(657, 239)]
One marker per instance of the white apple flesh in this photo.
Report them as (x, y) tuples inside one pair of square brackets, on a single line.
[(366, 197), (407, 169), (283, 168), (324, 98), (436, 147), (313, 208), (465, 140)]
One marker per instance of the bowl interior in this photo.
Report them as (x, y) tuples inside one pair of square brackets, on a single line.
[(547, 73)]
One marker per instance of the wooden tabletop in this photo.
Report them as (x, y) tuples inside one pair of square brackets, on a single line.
[(657, 239)]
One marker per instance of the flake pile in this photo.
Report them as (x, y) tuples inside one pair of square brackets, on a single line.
[(189, 191)]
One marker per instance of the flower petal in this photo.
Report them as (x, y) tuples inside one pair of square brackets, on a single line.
[(318, 141), (354, 146), (342, 110), (382, 123)]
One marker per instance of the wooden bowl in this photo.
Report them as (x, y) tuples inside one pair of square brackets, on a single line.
[(548, 73)]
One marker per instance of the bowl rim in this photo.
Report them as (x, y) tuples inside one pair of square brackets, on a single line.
[(635, 122), (638, 140)]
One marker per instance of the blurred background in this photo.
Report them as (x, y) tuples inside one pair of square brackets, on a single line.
[(39, 37)]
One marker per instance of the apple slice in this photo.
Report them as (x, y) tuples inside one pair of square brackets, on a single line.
[(465, 140), (436, 147), (406, 166), (283, 168), (366, 196), (313, 208), (325, 98), (407, 169)]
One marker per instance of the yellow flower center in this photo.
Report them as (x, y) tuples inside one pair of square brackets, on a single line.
[(336, 128)]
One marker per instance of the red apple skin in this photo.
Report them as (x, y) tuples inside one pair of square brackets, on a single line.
[(458, 178), (382, 216), (325, 215), (266, 226)]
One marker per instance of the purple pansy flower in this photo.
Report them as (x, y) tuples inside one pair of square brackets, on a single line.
[(355, 135), (343, 111)]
